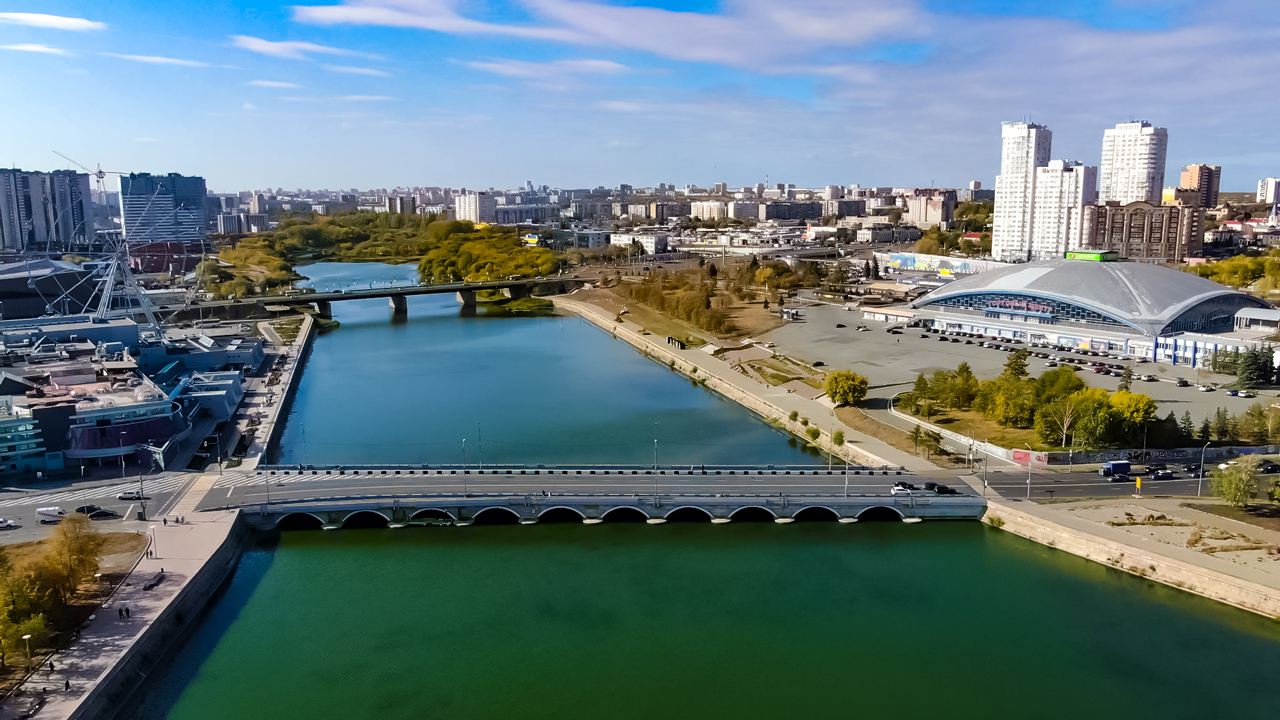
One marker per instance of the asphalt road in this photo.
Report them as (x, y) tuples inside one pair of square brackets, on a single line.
[(19, 504)]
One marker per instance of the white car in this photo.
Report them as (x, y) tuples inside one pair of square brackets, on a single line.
[(1205, 388), (1247, 394), (7, 524), (130, 495), (1148, 378)]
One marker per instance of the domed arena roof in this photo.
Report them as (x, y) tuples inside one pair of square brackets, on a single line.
[(1145, 297)]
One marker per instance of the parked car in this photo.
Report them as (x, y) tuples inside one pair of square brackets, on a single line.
[(924, 335), (1205, 388), (130, 495), (1248, 394), (1051, 364), (1232, 393), (8, 524)]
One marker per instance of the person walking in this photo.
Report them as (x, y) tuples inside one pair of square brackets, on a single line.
[(120, 612), (126, 612), (67, 686), (165, 521)]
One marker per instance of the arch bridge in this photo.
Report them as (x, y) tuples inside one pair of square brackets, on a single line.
[(527, 509)]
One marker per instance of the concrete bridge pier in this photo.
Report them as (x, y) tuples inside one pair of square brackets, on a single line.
[(467, 298), (399, 305), (516, 292), (324, 309)]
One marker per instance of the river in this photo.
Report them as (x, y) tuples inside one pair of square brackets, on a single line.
[(678, 620)]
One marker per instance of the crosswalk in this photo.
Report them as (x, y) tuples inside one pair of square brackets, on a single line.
[(69, 497), (240, 479)]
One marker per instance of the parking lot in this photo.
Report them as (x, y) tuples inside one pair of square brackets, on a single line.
[(891, 362)]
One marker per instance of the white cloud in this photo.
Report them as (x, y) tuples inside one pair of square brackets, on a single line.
[(38, 49), (622, 106), (157, 60), (57, 22), (272, 84), (342, 98), (526, 69), (438, 15), (292, 49), (347, 69), (249, 106)]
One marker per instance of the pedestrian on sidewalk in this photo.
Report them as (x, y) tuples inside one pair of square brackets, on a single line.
[(120, 612), (67, 686), (126, 612), (165, 521)]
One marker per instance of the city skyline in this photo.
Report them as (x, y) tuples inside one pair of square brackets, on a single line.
[(575, 94)]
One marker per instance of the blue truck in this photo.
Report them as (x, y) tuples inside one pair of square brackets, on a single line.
[(1118, 467)]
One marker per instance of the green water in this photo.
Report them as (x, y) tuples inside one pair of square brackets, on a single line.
[(745, 620)]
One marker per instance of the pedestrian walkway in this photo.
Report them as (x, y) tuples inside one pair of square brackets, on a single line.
[(191, 498), (180, 552), (67, 497)]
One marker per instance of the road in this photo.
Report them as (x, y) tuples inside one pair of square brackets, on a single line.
[(19, 504)]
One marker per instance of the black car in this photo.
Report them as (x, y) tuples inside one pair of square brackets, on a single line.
[(839, 325), (1152, 467), (87, 509), (818, 363), (104, 515), (944, 490), (1266, 467), (1191, 467), (1118, 477), (1182, 383)]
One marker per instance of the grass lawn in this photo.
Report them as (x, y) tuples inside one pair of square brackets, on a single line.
[(780, 370), (854, 418), (973, 424)]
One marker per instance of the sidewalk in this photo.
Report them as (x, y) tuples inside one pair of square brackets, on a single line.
[(877, 452), (108, 638)]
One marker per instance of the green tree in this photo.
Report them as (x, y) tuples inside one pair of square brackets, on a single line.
[(1205, 430), (846, 388), (1238, 484), (917, 436), (1016, 366), (1126, 379), (1056, 420), (1098, 422), (1057, 383), (1187, 425), (964, 387), (838, 437)]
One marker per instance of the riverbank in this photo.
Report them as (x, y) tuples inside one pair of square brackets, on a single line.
[(772, 403), (1158, 539), (269, 404)]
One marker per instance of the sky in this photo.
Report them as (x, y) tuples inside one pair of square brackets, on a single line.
[(255, 94)]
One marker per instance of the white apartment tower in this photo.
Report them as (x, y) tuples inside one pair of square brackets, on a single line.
[(1132, 168), (1063, 189), (1024, 147), (1269, 190), (477, 207)]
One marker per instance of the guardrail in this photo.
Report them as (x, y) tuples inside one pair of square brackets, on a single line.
[(545, 469)]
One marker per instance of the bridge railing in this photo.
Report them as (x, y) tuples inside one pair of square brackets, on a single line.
[(577, 469)]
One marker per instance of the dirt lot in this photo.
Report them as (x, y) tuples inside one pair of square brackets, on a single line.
[(855, 419), (1182, 530), (118, 553), (749, 319)]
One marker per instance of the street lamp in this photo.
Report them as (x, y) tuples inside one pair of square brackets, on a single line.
[(155, 546), (1029, 452), (481, 441), (97, 577), (122, 472), (1200, 478), (28, 639), (464, 467)]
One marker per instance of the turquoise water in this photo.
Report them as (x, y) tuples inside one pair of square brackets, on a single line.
[(739, 620), (549, 390)]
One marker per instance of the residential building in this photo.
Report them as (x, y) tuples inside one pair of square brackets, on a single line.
[(708, 210), (1181, 196), (1269, 190), (1063, 189), (163, 208), (844, 208), (230, 223), (1204, 180), (929, 210), (45, 211), (513, 214), (653, 243), (480, 207), (742, 210), (1024, 147), (790, 211), (403, 204), (1133, 157), (1146, 232)]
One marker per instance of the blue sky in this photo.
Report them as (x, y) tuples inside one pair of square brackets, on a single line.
[(575, 93)]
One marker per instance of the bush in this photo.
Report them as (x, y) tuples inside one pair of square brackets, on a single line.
[(1238, 483), (794, 414), (838, 438), (813, 433), (804, 421)]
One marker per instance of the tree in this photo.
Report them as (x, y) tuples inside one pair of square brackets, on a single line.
[(1126, 379), (866, 269), (1238, 483), (75, 550), (1016, 366), (1205, 430), (712, 271), (1058, 383), (838, 437), (1221, 425), (846, 388), (933, 442), (917, 436), (964, 387), (1187, 425), (1097, 421), (1056, 420), (875, 268)]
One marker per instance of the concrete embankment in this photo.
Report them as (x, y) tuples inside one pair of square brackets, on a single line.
[(1176, 567), (718, 376)]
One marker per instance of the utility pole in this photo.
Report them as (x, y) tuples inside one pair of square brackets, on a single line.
[(481, 441)]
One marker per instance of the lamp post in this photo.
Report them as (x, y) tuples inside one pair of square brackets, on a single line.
[(1029, 451), (97, 577), (122, 472), (155, 546), (1200, 475), (464, 467), (28, 639), (480, 439)]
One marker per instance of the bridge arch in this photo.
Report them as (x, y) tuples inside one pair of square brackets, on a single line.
[(752, 513), (561, 514), (880, 513), (365, 519), (624, 514), (299, 521), (816, 513), (496, 515), (688, 513), (433, 514)]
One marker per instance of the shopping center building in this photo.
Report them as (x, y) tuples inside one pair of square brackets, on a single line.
[(1138, 309)]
